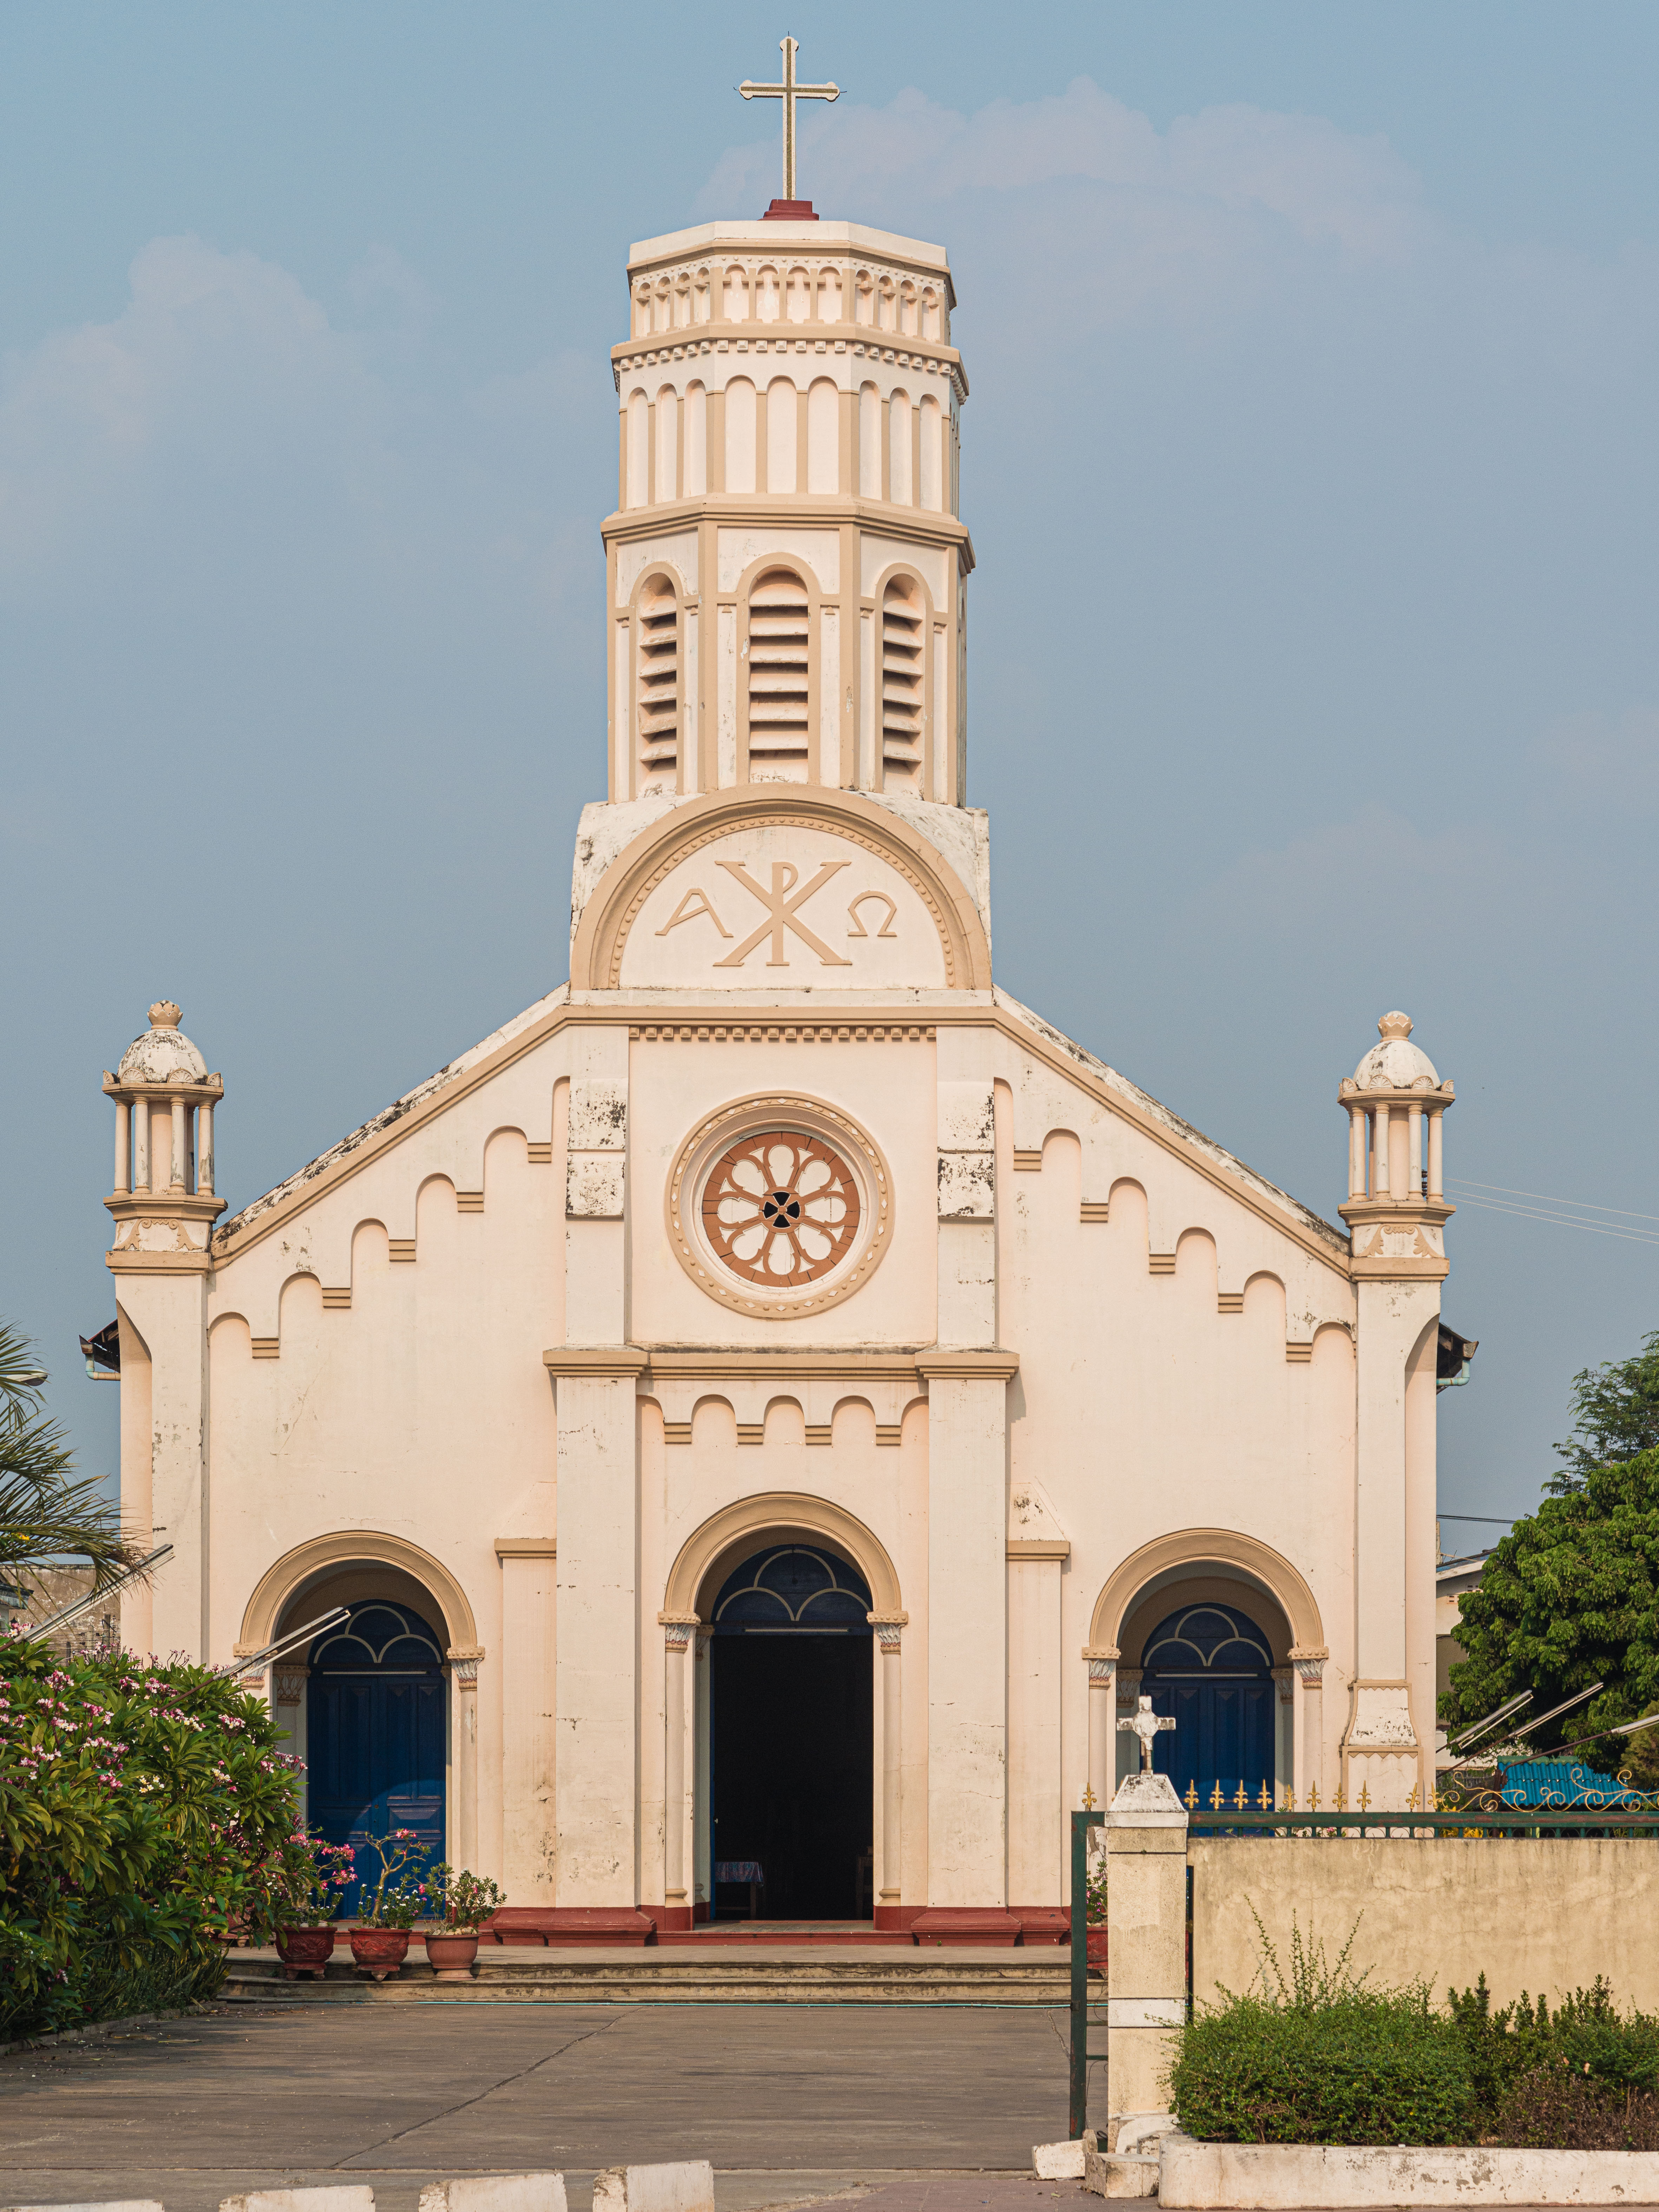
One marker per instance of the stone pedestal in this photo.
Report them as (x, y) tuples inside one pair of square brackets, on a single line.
[(1146, 1926)]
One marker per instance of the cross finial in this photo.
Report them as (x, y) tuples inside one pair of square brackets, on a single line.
[(789, 92), (1146, 1724)]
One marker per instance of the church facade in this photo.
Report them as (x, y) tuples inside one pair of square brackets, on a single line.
[(767, 1410)]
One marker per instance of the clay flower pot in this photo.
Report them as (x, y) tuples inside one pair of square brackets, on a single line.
[(450, 1956), (1098, 1949), (379, 1951), (305, 1951)]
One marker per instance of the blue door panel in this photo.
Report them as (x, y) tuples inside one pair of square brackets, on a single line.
[(1209, 1669), (376, 1734)]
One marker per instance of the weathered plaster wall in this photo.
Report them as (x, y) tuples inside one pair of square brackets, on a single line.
[(1542, 1914)]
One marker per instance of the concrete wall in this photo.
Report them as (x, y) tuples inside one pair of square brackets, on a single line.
[(1543, 1914)]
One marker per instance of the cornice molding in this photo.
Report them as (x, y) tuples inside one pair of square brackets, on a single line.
[(993, 1366), (636, 1009), (603, 1361)]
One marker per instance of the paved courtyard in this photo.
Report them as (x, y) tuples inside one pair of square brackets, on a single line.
[(788, 2102)]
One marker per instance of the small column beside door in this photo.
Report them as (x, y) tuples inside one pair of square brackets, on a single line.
[(1309, 1664), (888, 1629), (1101, 1661), (464, 1660), (678, 1629)]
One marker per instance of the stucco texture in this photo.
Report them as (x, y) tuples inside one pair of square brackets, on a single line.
[(1542, 1914)]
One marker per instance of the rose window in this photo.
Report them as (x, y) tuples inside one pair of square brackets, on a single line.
[(780, 1208)]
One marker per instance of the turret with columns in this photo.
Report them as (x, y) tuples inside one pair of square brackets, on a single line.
[(1397, 1213), (164, 1206)]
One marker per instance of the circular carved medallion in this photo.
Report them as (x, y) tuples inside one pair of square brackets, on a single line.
[(778, 1206)]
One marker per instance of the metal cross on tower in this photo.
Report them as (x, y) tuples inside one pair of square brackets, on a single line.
[(789, 92), (1146, 1724)]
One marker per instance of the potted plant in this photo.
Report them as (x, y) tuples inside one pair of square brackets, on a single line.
[(462, 1901), (379, 1940), (306, 1891)]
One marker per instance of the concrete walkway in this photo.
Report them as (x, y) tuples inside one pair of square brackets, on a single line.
[(788, 2104)]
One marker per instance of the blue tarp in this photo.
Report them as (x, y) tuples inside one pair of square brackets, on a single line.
[(1555, 1782)]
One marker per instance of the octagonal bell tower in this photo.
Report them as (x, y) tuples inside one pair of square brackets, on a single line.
[(786, 562)]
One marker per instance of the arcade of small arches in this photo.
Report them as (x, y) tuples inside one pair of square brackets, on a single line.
[(750, 432), (783, 1621), (802, 292)]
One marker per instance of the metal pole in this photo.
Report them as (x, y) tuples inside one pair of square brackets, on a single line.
[(1079, 2090), (85, 1605)]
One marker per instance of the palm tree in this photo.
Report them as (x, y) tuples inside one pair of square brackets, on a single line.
[(46, 1513)]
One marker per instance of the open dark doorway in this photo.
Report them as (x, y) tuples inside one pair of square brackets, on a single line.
[(791, 1738)]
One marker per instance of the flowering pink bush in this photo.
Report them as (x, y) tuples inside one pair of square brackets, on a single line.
[(144, 1810)]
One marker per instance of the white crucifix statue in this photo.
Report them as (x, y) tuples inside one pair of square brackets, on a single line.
[(1147, 1725), (789, 92)]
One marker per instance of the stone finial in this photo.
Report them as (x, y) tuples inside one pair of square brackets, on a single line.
[(1394, 1025), (164, 1015)]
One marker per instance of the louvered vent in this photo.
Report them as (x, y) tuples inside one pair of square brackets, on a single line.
[(660, 688), (779, 659), (902, 634)]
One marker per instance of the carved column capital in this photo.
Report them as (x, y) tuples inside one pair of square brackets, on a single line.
[(678, 1630), (888, 1627), (1285, 1678), (464, 1661), (1102, 1660), (1128, 1687), (291, 1677), (1309, 1662)]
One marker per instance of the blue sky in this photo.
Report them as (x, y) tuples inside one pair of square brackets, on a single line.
[(1311, 468)]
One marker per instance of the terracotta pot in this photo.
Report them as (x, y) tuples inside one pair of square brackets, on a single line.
[(379, 1951), (1098, 1949), (450, 1956), (305, 1951)]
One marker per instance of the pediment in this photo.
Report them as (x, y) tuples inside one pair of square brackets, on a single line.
[(768, 888)]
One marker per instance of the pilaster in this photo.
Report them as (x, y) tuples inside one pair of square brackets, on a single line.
[(595, 1627)]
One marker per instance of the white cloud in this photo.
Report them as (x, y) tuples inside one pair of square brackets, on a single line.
[(219, 364), (1144, 212)]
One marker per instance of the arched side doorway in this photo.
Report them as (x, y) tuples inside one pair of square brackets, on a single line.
[(1208, 1667), (791, 1738), (376, 1732), (357, 1568)]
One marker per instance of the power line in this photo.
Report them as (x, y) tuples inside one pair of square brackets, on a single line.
[(1558, 1220), (1498, 1520), (1583, 1204)]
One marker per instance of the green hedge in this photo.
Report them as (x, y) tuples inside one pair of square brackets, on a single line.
[(1315, 2055), (143, 1813), (1370, 2070)]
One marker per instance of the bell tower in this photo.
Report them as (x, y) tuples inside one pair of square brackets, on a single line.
[(785, 565)]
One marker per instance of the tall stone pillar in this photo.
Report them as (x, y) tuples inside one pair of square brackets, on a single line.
[(595, 1633), (464, 1660), (529, 1566), (967, 1626), (1146, 1939)]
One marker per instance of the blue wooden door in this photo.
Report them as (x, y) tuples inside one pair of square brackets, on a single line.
[(376, 1737), (1210, 1669)]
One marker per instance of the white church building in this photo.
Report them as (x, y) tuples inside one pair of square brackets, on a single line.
[(770, 1406)]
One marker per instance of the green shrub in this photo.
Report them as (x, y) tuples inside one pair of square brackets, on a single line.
[(142, 1813), (1316, 2054), (1378, 2069), (1583, 2077)]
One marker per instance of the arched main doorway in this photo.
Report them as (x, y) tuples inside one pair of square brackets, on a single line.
[(1209, 1668), (376, 1733), (791, 1737)]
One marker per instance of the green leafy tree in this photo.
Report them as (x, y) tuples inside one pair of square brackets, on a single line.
[(1571, 1597), (1615, 1417), (47, 1513)]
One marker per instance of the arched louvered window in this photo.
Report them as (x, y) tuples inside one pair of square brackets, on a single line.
[(657, 665), (903, 638), (779, 667)]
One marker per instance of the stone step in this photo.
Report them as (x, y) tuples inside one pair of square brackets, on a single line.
[(780, 1975)]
